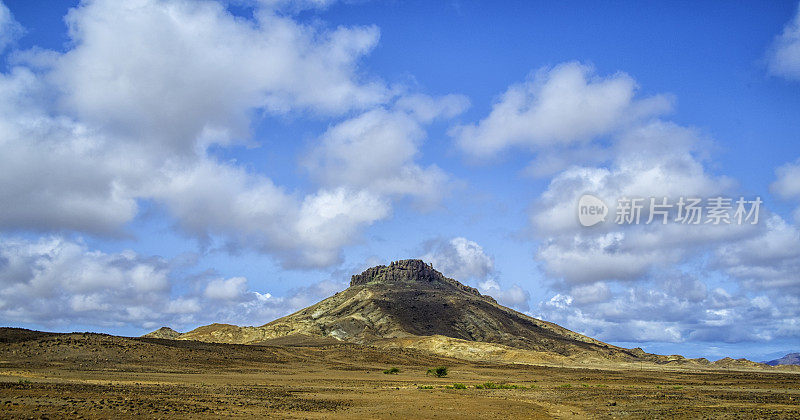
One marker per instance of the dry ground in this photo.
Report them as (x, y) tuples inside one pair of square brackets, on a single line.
[(98, 376)]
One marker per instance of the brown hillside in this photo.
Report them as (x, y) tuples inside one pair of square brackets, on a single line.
[(409, 299)]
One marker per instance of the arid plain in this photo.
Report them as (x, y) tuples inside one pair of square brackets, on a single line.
[(45, 375)]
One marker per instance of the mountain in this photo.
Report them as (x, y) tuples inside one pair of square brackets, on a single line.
[(163, 332), (789, 359), (410, 304)]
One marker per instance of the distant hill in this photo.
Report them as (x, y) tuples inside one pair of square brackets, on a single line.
[(789, 359), (163, 332), (408, 304), (407, 299)]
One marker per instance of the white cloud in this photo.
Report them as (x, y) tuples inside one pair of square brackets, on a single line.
[(329, 218), (121, 117), (784, 56), (458, 258), (172, 72), (515, 296), (787, 182), (562, 106), (590, 293), (653, 160), (466, 261), (248, 210), (10, 29), (57, 173), (56, 282), (658, 311), (226, 289), (376, 150), (55, 279), (61, 175), (622, 282), (425, 108), (769, 260)]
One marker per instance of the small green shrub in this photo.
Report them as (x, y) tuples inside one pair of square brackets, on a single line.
[(492, 385), (459, 385), (391, 371), (565, 386), (677, 387), (438, 372), (425, 387)]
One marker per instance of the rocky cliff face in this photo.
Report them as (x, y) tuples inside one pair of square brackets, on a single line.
[(410, 273)]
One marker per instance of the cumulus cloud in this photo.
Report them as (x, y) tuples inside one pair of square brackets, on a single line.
[(173, 72), (50, 278), (376, 150), (675, 308), (10, 29), (247, 210), (562, 106), (54, 281), (653, 160), (61, 174), (458, 258), (784, 56), (515, 296), (226, 289), (128, 111), (787, 182), (769, 260), (466, 261), (58, 173), (623, 282)]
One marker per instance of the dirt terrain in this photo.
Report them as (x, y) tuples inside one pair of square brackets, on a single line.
[(100, 376)]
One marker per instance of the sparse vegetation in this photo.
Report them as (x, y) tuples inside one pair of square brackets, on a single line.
[(425, 387), (391, 371), (459, 385), (492, 385), (565, 386), (438, 372)]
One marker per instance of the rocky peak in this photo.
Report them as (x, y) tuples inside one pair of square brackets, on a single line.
[(408, 271), (398, 271)]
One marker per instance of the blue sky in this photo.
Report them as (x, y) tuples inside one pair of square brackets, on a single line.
[(185, 162)]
